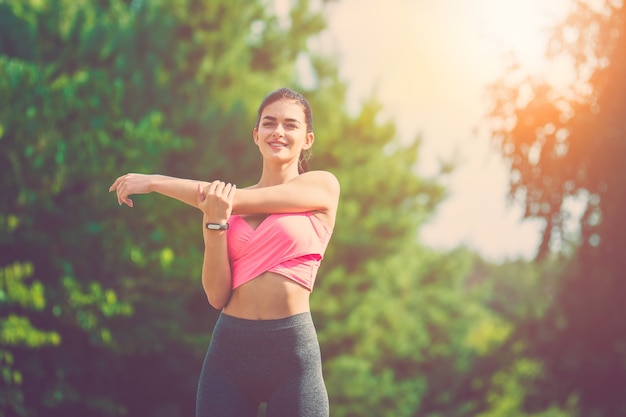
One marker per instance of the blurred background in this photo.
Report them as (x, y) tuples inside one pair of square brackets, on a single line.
[(477, 266)]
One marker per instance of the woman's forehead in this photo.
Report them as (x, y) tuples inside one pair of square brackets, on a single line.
[(284, 108)]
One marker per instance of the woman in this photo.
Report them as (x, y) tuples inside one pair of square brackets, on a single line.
[(263, 246)]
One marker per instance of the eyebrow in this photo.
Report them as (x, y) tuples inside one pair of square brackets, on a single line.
[(273, 119)]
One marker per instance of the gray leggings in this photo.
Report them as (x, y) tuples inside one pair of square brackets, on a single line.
[(254, 361)]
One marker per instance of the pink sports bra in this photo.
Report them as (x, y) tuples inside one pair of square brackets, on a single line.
[(290, 244)]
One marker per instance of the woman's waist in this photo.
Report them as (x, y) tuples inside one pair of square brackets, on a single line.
[(267, 297)]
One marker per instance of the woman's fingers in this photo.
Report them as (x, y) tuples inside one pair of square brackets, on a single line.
[(119, 190), (123, 198), (229, 191), (120, 186), (214, 188), (216, 192), (219, 188), (115, 184)]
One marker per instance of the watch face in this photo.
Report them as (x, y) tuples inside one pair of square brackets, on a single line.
[(215, 226)]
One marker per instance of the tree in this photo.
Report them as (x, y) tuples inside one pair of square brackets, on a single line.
[(404, 330), (40, 188), (17, 330), (567, 143)]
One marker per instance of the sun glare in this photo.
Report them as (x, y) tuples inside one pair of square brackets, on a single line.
[(520, 28), (428, 51), (430, 62)]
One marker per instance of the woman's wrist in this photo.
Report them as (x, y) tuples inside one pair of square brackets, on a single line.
[(214, 223), (216, 226), (153, 182), (213, 219)]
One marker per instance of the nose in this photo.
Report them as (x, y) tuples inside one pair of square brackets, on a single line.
[(279, 131)]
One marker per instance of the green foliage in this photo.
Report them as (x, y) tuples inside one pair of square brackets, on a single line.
[(17, 331)]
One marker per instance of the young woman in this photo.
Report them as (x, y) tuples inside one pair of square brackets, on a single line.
[(263, 247)]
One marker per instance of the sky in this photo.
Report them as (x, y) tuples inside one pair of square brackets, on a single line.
[(429, 62)]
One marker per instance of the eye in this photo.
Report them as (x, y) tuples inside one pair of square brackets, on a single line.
[(268, 124), (292, 126)]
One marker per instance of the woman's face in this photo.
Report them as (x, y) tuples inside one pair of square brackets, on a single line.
[(282, 131)]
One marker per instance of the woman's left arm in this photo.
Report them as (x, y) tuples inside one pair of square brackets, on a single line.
[(177, 188), (310, 191)]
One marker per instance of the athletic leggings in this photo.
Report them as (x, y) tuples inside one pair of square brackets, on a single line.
[(254, 361)]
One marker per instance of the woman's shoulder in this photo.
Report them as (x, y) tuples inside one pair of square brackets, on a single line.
[(319, 173), (325, 178)]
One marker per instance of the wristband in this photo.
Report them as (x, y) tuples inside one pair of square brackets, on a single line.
[(216, 226)]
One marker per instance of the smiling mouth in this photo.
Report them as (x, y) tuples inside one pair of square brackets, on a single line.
[(275, 144)]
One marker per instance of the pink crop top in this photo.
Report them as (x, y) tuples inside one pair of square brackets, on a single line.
[(291, 245)]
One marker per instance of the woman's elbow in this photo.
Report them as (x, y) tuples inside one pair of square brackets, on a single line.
[(217, 301), (216, 304), (216, 287)]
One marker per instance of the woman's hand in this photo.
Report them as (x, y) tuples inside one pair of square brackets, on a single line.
[(130, 184), (216, 201)]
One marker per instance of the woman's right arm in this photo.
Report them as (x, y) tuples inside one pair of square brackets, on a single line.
[(178, 188), (216, 203)]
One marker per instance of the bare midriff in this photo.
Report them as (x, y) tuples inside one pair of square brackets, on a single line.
[(269, 296)]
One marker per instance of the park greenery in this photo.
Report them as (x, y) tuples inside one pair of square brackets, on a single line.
[(101, 307)]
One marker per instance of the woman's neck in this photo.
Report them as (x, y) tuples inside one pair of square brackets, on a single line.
[(271, 177)]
